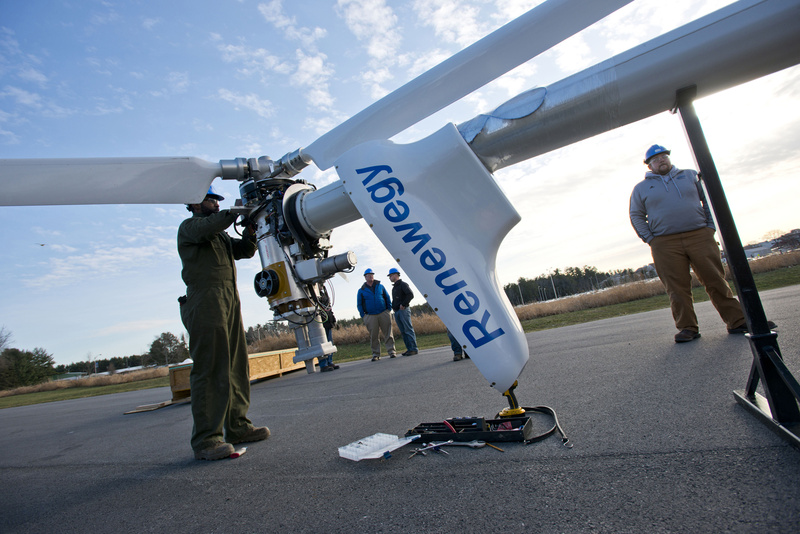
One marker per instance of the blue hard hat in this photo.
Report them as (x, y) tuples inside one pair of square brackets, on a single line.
[(393, 271), (654, 150), (213, 194), (368, 271)]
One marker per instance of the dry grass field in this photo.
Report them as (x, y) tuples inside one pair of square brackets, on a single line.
[(431, 324), (91, 381)]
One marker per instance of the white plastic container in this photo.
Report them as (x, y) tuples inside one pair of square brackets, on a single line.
[(374, 446)]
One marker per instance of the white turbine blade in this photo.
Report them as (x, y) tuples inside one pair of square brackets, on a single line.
[(444, 233), (518, 41), (37, 182)]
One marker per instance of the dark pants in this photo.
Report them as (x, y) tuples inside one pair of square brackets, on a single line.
[(220, 377)]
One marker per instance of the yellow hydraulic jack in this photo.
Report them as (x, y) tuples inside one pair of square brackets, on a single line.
[(514, 408)]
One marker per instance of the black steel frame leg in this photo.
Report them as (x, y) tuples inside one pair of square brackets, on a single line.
[(779, 410)]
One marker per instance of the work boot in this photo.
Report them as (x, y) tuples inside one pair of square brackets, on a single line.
[(254, 433), (410, 353), (327, 368), (686, 335), (217, 451), (456, 357)]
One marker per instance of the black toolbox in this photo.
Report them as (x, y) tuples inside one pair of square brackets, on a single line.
[(476, 428)]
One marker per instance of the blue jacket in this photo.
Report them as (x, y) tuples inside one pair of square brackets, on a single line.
[(373, 300)]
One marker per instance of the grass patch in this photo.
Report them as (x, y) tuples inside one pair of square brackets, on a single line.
[(39, 397), (764, 281)]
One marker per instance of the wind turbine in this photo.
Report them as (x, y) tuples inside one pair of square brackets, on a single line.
[(413, 195)]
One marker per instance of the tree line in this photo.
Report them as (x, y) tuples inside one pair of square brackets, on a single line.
[(548, 286), (20, 367), (570, 281)]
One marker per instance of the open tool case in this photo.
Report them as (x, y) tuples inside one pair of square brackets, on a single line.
[(476, 428)]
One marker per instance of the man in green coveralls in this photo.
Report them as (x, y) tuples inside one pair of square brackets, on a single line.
[(211, 313)]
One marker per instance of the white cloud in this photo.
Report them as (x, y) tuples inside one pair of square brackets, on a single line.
[(143, 325), (150, 23), (375, 25), (321, 125), (518, 80), (177, 83), (9, 138), (505, 11), (101, 19), (573, 55), (202, 126), (29, 74), (108, 262), (23, 97), (453, 21), (66, 249), (263, 108), (273, 13), (253, 59), (312, 74), (34, 101)]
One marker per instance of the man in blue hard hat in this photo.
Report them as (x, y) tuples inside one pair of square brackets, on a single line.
[(401, 300), (669, 212), (374, 306), (211, 312)]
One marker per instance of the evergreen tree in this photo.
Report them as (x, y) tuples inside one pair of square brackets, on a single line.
[(25, 368)]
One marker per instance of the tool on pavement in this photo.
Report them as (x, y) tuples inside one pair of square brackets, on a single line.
[(435, 447), (474, 444)]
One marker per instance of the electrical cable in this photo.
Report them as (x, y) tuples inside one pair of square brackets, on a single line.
[(556, 426)]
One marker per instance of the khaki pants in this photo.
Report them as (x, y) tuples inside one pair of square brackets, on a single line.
[(377, 324), (673, 255)]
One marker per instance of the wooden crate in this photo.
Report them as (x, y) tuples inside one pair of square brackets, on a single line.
[(262, 365), (273, 363), (179, 381)]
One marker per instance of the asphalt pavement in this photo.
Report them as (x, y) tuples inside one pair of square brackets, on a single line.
[(659, 445)]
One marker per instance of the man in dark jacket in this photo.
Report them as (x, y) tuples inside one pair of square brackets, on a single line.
[(211, 313), (401, 300), (374, 305)]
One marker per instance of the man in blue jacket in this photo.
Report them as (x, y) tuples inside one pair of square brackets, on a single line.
[(669, 212), (374, 306)]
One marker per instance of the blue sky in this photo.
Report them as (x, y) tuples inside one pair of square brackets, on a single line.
[(226, 79)]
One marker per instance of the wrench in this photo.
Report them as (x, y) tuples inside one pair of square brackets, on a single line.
[(475, 444)]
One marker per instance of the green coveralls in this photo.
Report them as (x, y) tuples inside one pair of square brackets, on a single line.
[(220, 377)]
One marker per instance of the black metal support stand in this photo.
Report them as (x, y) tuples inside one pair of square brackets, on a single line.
[(779, 410)]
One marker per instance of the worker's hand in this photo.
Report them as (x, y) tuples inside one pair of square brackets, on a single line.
[(248, 226)]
